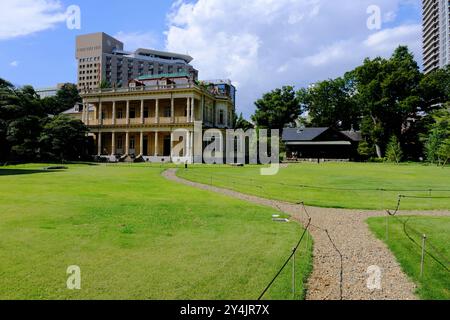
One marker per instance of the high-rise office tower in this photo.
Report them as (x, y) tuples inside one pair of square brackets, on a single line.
[(436, 34), (101, 58)]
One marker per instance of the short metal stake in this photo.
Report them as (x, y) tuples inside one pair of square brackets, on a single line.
[(293, 275), (387, 228), (424, 238)]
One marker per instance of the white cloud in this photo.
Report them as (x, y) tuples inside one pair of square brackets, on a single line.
[(14, 64), (263, 44), (24, 17), (136, 40)]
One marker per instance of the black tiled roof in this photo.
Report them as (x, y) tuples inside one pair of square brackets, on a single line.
[(302, 134)]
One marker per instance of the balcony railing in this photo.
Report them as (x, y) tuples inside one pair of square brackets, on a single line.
[(137, 121), (142, 88), (188, 85)]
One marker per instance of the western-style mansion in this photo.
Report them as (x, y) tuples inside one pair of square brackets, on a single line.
[(137, 119)]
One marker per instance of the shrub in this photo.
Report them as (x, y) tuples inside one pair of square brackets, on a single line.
[(394, 151)]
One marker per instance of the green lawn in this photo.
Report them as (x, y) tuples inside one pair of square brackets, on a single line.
[(337, 185), (435, 282), (136, 236)]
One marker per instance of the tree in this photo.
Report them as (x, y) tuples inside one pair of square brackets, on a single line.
[(67, 97), (389, 92), (331, 103), (277, 108), (51, 105), (27, 133), (241, 123), (433, 142), (438, 139), (394, 151), (20, 114), (63, 138), (444, 152), (435, 89), (104, 84)]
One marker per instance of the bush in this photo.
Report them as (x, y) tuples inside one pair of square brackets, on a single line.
[(394, 151)]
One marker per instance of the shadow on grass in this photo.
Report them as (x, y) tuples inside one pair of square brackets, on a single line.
[(15, 172)]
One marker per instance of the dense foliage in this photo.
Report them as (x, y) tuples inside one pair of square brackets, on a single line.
[(29, 129), (384, 98)]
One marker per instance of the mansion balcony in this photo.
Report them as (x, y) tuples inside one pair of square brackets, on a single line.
[(160, 105)]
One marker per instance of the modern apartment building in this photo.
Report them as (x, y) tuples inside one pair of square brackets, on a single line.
[(139, 121), (436, 34), (102, 58)]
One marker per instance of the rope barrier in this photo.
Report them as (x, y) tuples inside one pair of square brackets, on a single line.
[(405, 231), (325, 187), (341, 257), (286, 263)]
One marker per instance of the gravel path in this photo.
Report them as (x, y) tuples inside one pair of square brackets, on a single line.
[(351, 236)]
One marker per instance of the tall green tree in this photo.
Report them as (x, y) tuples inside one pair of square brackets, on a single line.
[(67, 97), (389, 92), (277, 108), (438, 140), (63, 138), (331, 103), (27, 133), (435, 89), (241, 123), (394, 152), (21, 114)]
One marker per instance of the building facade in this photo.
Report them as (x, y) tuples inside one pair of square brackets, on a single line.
[(102, 58), (436, 34), (321, 143), (49, 92), (138, 122)]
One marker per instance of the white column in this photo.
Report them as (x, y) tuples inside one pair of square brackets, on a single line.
[(100, 113), (128, 114), (188, 105), (141, 141), (99, 144), (114, 113), (83, 113), (156, 143), (157, 111), (113, 143), (188, 144), (171, 143), (192, 109), (202, 109), (87, 114), (142, 112), (172, 110), (127, 143)]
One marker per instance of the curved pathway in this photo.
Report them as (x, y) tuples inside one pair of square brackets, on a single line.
[(349, 234)]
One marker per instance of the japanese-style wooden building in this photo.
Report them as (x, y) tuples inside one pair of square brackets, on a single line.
[(321, 143)]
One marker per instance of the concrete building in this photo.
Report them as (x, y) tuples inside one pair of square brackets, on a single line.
[(49, 92), (436, 34), (102, 58), (138, 122)]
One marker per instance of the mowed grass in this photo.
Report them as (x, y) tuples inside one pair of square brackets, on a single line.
[(337, 185), (136, 235), (435, 282)]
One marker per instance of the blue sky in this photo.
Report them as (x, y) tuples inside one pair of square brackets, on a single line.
[(258, 44)]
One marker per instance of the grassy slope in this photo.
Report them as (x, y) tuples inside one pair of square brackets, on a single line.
[(335, 175), (135, 236), (435, 283)]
